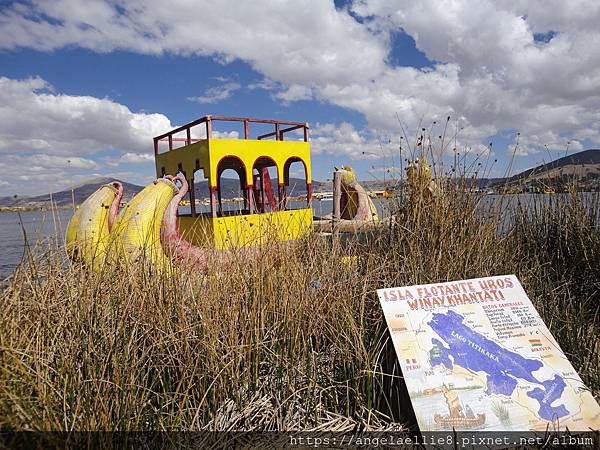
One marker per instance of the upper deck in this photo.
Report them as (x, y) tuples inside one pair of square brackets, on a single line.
[(197, 146), (193, 146), (207, 122)]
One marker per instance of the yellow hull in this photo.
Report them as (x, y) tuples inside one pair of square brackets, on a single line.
[(88, 232), (148, 228), (137, 231), (246, 230)]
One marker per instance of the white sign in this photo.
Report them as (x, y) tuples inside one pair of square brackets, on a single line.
[(476, 355)]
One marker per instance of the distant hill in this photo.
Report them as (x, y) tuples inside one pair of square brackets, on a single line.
[(583, 167), (64, 198), (589, 158), (229, 189)]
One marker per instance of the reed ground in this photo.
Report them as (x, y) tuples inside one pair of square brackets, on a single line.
[(294, 340)]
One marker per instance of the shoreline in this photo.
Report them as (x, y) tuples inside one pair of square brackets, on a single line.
[(35, 208)]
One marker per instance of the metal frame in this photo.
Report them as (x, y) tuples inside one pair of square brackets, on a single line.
[(207, 120)]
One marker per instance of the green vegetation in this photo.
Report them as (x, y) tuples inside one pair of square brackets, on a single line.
[(501, 412), (294, 339)]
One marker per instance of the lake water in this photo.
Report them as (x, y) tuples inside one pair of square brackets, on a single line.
[(40, 225), (36, 226), (32, 226)]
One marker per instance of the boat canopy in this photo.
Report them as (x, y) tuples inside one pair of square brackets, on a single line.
[(196, 146)]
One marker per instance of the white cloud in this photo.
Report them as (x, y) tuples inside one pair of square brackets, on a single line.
[(345, 141), (342, 140), (491, 74), (294, 93), (291, 41), (217, 93), (225, 134), (49, 139), (136, 158), (265, 84), (59, 162), (492, 71), (297, 173), (34, 118), (40, 162)]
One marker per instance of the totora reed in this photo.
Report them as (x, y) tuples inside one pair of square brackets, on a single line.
[(296, 342)]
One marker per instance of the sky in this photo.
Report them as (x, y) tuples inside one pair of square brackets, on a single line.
[(85, 85)]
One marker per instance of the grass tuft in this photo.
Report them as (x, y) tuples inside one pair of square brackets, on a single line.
[(292, 342)]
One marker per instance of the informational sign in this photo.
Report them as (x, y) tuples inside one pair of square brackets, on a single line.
[(476, 355)]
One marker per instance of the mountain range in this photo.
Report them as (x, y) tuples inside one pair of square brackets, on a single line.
[(230, 188), (583, 166)]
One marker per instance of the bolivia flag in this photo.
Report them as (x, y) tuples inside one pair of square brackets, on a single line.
[(535, 342)]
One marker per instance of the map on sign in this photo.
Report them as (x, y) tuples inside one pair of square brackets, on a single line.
[(476, 355)]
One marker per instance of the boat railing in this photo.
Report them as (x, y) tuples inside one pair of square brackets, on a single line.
[(280, 128)]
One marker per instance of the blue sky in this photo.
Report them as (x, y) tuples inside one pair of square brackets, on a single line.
[(86, 85)]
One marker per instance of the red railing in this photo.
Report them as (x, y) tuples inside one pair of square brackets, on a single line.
[(208, 120)]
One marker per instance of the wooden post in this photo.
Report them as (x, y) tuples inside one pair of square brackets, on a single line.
[(281, 194), (337, 201), (258, 194), (250, 191), (246, 199), (220, 199), (208, 128), (192, 197), (213, 201)]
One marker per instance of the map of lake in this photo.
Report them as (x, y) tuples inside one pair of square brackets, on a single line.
[(486, 363), (503, 367)]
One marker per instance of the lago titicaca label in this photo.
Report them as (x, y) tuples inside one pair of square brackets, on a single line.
[(476, 355)]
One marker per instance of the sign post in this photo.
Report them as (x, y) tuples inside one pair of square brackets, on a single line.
[(476, 355)]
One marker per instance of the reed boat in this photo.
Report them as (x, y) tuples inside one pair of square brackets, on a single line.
[(459, 422), (459, 416), (153, 223)]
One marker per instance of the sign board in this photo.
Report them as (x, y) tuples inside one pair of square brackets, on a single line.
[(476, 355)]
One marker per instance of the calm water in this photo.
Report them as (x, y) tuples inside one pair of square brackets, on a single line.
[(39, 225), (44, 225), (35, 226)]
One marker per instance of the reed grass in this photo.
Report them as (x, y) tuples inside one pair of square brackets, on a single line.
[(291, 339)]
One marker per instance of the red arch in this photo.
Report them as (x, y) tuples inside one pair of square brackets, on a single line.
[(219, 171), (286, 169), (286, 176), (265, 157), (275, 203)]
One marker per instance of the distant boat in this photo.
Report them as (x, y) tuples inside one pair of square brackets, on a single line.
[(324, 196)]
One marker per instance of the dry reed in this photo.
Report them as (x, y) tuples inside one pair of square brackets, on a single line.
[(278, 343)]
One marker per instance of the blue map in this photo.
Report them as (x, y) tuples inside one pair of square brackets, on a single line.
[(467, 348)]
